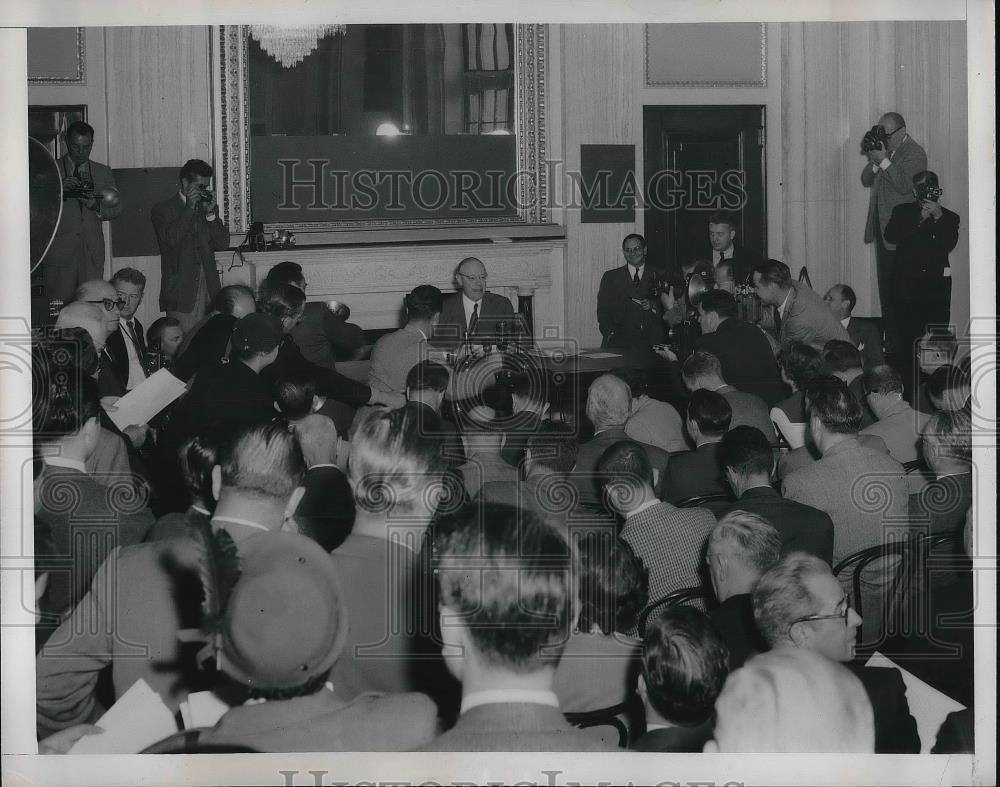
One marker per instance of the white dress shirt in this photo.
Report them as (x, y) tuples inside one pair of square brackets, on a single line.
[(509, 696), (632, 269), (728, 252)]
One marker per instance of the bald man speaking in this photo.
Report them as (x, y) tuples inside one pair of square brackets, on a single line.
[(472, 313)]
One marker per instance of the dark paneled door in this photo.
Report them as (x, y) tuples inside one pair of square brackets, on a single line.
[(699, 160)]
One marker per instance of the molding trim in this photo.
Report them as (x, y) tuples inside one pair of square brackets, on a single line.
[(80, 77), (762, 82), (232, 142)]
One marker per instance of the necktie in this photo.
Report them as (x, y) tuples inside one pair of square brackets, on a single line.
[(140, 351), (635, 278), (722, 256), (777, 322), (475, 318)]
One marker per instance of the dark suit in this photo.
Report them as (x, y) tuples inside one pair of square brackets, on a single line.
[(187, 244), (110, 381), (207, 347), (114, 359), (624, 323), (857, 389), (744, 261), (802, 528), (518, 429), (452, 329), (676, 739), (584, 474), (693, 474), (941, 506), (430, 425), (747, 361), (895, 728), (733, 620), (329, 382), (77, 251), (326, 510), (323, 337), (866, 336)]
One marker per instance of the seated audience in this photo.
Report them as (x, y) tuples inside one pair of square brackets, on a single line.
[(898, 424), (652, 421), (941, 506), (668, 540), (295, 395), (396, 478), (198, 455), (864, 334), (747, 462), (741, 547), (326, 511), (697, 473), (863, 490), (801, 315), (799, 363), (703, 370), (684, 666), (164, 337), (600, 662), (145, 593), (947, 388), (530, 404), (938, 373), (799, 604), (207, 343), (507, 597), (843, 361), (743, 350), (609, 405), (484, 463), (792, 701), (426, 384), (289, 591), (396, 353)]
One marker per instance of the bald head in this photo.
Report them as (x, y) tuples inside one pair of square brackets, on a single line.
[(471, 278), (88, 316)]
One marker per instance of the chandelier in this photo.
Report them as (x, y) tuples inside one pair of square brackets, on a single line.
[(289, 45)]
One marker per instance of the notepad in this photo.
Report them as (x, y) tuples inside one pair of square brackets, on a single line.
[(146, 400), (137, 720)]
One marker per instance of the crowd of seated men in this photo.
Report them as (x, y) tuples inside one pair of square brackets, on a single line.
[(386, 575)]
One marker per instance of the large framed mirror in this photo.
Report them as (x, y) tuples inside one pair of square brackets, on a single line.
[(355, 127)]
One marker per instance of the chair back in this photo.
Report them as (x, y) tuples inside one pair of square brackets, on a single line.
[(693, 596), (714, 503), (627, 719)]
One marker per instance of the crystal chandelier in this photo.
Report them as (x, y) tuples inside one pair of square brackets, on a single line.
[(289, 45)]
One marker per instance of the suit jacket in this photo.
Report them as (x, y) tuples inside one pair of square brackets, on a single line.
[(452, 328), (518, 430), (657, 423), (110, 381), (676, 739), (733, 620), (326, 510), (808, 454), (393, 356), (922, 246), (329, 382), (693, 474), (864, 491), (584, 474), (115, 355), (431, 426), (207, 347), (226, 393), (857, 389), (515, 727), (900, 430), (76, 254), (748, 410), (889, 187), (744, 261), (866, 337), (747, 361), (187, 243), (808, 319), (322, 336), (895, 729), (802, 528), (941, 506), (622, 322)]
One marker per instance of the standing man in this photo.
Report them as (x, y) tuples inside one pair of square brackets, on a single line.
[(473, 311), (628, 310), (189, 231), (892, 162), (722, 237), (864, 333), (77, 251), (126, 347)]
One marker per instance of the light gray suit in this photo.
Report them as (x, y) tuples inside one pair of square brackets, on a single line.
[(808, 319)]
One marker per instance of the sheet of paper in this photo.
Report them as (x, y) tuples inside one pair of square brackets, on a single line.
[(202, 709), (928, 706), (138, 719), (146, 400)]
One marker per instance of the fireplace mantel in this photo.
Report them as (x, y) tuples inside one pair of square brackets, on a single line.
[(372, 280)]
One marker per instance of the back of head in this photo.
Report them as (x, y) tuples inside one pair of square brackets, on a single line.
[(508, 577), (423, 303), (428, 376), (295, 392), (391, 466), (949, 434), (64, 400), (614, 586), (841, 356), (255, 335), (61, 348), (684, 665), (636, 379), (883, 380), (719, 302), (746, 452), (625, 467), (748, 537), (86, 316), (554, 445), (234, 299), (949, 388), (801, 362), (609, 402), (710, 411), (781, 596), (198, 454), (530, 388), (700, 367), (282, 301), (793, 701), (774, 272), (263, 461), (828, 399), (286, 272)]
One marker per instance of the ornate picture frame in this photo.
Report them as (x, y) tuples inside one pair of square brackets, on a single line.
[(738, 81), (74, 70), (232, 136)]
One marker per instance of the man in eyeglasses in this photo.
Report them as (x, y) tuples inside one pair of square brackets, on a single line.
[(799, 604), (103, 294), (472, 312), (888, 174)]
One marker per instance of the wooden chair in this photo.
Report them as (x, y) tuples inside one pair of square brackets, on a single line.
[(714, 503), (628, 719), (677, 597)]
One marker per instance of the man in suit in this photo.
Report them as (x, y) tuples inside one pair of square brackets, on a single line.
[(697, 473), (843, 361), (742, 546), (942, 505), (747, 461), (888, 175), (426, 384), (920, 283), (799, 604), (864, 333), (670, 541), (747, 360), (189, 232), (849, 476), (208, 342), (326, 511), (628, 309), (684, 666), (126, 346), (77, 251), (722, 229), (703, 370), (472, 313), (652, 421), (609, 404), (898, 424), (144, 594), (496, 629), (530, 402), (800, 314)]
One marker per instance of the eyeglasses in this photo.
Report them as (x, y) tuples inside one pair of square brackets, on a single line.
[(846, 601), (473, 278), (109, 304)]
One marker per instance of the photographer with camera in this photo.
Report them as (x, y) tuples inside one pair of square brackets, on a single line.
[(893, 159), (189, 232), (924, 233), (89, 198)]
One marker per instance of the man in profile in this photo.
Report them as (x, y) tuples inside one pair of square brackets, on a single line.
[(800, 314), (473, 312), (864, 333), (628, 307)]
